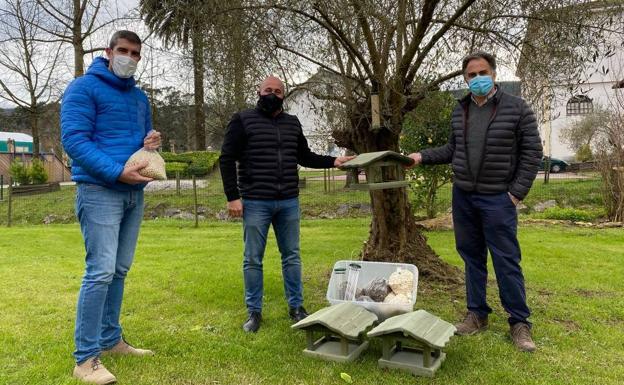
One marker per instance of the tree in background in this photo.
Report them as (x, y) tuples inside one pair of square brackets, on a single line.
[(230, 54), (235, 64), (28, 63), (428, 126), (580, 134), (397, 52), (74, 22), (184, 22), (171, 111), (608, 142), (601, 133)]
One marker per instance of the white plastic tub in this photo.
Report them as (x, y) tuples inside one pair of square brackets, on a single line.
[(368, 272)]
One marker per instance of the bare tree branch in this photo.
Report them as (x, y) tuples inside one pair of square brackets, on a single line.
[(434, 39)]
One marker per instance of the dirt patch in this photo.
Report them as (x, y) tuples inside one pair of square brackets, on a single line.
[(431, 268), (569, 325), (443, 222), (544, 293), (593, 293)]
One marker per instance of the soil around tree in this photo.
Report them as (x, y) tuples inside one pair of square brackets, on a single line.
[(431, 268)]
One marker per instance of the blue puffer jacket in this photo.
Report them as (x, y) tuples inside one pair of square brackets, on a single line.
[(104, 120)]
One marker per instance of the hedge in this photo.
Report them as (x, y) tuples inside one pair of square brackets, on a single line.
[(198, 163)]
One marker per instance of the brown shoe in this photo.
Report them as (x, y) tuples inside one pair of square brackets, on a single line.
[(521, 337), (471, 324), (124, 348), (93, 371)]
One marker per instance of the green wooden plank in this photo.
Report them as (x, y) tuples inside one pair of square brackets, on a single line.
[(420, 325), (345, 319), (367, 158)]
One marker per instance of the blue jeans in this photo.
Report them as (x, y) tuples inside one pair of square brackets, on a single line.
[(109, 221), (490, 221), (258, 215)]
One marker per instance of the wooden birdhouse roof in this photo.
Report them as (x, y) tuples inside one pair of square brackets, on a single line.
[(420, 325), (368, 158), (345, 319)]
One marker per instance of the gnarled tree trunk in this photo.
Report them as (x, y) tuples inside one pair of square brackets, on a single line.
[(394, 235)]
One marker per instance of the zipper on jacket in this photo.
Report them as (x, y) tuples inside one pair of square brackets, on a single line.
[(465, 116), (279, 159)]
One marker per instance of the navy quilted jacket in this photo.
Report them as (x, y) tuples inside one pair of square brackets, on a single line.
[(512, 151), (104, 120)]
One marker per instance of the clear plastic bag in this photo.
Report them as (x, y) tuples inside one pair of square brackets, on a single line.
[(155, 168), (377, 289)]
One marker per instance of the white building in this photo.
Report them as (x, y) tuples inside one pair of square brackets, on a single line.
[(318, 117), (603, 80)]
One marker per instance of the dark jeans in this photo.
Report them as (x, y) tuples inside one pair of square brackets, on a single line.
[(490, 221)]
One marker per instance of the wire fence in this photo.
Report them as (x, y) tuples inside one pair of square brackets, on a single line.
[(323, 194)]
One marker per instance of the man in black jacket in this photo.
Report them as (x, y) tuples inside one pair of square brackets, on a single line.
[(495, 150), (267, 144)]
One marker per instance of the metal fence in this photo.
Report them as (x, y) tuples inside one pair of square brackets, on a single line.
[(323, 194)]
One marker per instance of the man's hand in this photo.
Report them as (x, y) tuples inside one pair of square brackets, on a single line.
[(130, 174), (342, 159), (235, 208), (152, 140), (514, 200), (417, 158)]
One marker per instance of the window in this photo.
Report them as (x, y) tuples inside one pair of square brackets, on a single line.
[(579, 105)]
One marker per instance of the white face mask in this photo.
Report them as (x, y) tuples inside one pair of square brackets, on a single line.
[(123, 66)]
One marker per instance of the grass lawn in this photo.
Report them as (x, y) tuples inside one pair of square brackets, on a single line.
[(317, 200), (184, 300)]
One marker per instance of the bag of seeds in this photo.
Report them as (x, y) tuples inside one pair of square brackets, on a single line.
[(155, 168)]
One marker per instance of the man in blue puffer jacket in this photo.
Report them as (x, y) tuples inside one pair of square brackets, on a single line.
[(105, 118)]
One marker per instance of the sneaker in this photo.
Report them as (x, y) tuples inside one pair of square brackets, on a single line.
[(297, 313), (253, 322), (471, 324), (124, 348), (521, 337), (92, 371)]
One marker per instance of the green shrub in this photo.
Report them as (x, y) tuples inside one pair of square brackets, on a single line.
[(33, 174), (584, 153), (38, 172), (198, 163), (19, 172), (173, 167), (571, 214), (428, 126)]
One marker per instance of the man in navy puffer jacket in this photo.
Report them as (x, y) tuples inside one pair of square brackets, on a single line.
[(105, 118)]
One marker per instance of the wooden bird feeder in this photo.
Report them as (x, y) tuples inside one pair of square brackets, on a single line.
[(413, 342), (342, 328), (383, 170)]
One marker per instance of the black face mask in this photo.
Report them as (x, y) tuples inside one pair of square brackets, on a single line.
[(270, 103)]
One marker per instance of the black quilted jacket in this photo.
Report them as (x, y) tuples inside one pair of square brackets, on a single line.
[(512, 151), (267, 150)]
